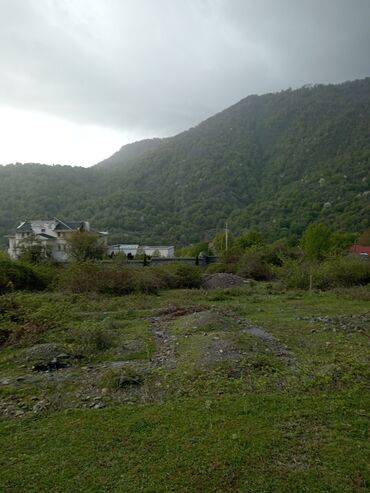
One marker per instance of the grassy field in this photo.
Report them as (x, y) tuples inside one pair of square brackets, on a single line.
[(252, 389)]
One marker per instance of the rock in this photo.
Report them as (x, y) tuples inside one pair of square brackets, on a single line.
[(48, 357), (42, 352), (39, 406), (99, 405), (18, 413)]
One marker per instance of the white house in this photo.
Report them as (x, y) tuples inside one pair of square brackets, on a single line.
[(122, 248), (162, 251), (51, 235)]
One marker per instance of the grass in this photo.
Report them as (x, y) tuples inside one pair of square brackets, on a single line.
[(252, 424), (231, 443)]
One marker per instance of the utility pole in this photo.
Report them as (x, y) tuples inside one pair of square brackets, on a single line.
[(226, 237)]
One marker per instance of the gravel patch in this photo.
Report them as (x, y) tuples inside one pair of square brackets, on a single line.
[(222, 280)]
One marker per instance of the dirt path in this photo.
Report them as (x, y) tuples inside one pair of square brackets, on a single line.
[(279, 349), (165, 356), (165, 344)]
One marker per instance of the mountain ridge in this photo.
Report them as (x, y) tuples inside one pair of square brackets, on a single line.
[(277, 162)]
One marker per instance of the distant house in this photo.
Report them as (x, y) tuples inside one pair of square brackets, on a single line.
[(50, 234), (161, 251), (360, 250), (122, 248)]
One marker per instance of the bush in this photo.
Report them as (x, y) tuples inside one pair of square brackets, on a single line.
[(80, 277), (294, 274), (117, 280), (254, 265), (123, 279), (17, 275), (183, 275), (336, 272), (342, 272), (91, 339), (256, 262)]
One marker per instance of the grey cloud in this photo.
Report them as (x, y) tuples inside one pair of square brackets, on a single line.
[(159, 67)]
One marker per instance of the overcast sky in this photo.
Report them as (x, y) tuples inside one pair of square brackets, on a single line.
[(80, 78)]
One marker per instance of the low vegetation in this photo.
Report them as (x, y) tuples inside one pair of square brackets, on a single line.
[(124, 377), (255, 388)]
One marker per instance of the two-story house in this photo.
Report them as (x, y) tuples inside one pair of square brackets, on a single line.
[(51, 235)]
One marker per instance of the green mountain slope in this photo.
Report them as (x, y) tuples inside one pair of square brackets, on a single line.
[(277, 161)]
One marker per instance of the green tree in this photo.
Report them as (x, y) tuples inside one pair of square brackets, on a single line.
[(85, 245), (33, 250), (250, 238), (193, 250), (316, 241), (219, 242), (341, 241), (364, 239)]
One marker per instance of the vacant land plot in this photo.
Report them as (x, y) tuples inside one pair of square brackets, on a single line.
[(245, 389)]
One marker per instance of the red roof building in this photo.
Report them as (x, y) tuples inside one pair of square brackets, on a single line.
[(360, 250)]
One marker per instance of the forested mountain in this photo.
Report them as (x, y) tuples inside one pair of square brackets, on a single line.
[(130, 152), (276, 162)]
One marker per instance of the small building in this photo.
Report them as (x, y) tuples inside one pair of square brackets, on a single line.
[(50, 235), (364, 251), (123, 248), (160, 251)]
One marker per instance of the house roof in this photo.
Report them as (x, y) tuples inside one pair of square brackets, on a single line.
[(160, 247), (66, 225), (124, 245), (25, 227), (360, 249)]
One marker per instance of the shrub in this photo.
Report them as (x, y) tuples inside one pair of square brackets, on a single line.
[(254, 265), (335, 272), (150, 280), (80, 277), (185, 276), (294, 274), (17, 275), (116, 279), (91, 339), (342, 272)]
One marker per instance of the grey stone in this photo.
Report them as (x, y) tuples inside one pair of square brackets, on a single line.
[(99, 405), (39, 406)]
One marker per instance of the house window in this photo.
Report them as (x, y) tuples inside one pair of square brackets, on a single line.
[(42, 230)]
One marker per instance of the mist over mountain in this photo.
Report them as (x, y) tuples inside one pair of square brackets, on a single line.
[(276, 162)]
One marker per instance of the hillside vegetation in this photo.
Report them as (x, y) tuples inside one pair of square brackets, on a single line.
[(277, 162)]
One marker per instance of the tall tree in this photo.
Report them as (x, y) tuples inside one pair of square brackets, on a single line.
[(316, 241), (85, 245)]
